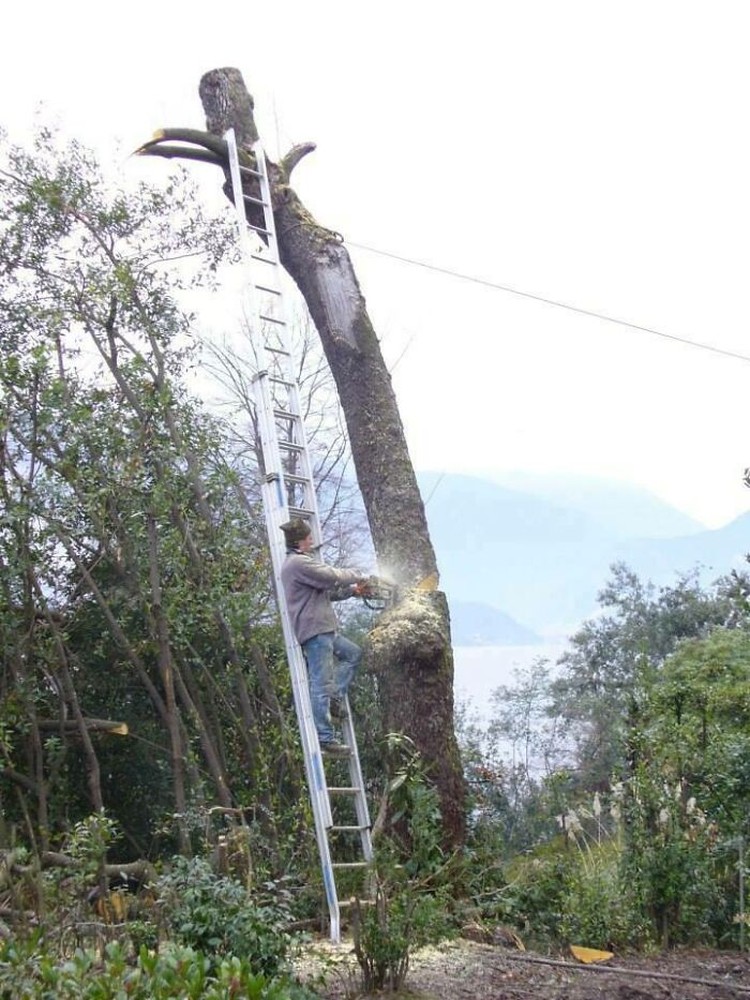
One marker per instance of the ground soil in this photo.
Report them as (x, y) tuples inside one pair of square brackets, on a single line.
[(467, 969)]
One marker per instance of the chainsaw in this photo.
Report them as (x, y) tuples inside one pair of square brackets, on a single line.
[(375, 592), (379, 593)]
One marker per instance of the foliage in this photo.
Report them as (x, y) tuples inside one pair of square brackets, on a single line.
[(409, 886), (641, 866), (613, 655), (89, 841), (597, 908), (415, 818), (387, 929), (668, 861), (133, 573), (218, 916), (515, 766), (27, 971), (699, 725), (653, 794)]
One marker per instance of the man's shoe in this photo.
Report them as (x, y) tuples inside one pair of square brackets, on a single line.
[(335, 749)]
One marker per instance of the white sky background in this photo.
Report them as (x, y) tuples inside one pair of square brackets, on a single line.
[(594, 153)]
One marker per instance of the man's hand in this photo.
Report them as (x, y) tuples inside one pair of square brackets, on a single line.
[(362, 588)]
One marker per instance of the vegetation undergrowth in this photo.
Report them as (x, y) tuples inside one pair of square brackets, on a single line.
[(410, 886), (28, 971)]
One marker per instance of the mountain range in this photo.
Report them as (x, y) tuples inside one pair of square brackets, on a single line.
[(526, 557)]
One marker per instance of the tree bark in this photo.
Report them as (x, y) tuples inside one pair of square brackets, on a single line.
[(413, 650)]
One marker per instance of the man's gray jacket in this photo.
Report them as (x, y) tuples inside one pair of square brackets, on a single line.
[(309, 586)]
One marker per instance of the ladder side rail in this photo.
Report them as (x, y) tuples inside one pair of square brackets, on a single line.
[(301, 474), (276, 512), (286, 362), (274, 493), (355, 774), (243, 236), (238, 197), (274, 473), (314, 767)]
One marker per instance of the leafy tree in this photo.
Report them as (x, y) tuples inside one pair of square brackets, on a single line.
[(700, 725), (657, 693), (598, 695), (134, 579)]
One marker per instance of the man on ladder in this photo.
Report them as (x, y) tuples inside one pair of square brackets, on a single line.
[(332, 660)]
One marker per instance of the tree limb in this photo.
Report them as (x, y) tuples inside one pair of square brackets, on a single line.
[(295, 154), (70, 726)]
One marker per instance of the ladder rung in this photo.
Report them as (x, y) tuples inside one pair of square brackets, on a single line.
[(249, 170), (351, 864), (272, 319), (348, 829), (343, 790), (277, 380), (259, 229), (286, 415), (262, 259), (271, 291), (277, 350), (289, 477), (291, 446), (300, 512), (255, 201)]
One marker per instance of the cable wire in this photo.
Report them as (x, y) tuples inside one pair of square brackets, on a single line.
[(548, 301)]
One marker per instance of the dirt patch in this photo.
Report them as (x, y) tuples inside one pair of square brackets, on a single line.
[(465, 969)]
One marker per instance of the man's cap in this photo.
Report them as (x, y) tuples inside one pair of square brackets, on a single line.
[(295, 530)]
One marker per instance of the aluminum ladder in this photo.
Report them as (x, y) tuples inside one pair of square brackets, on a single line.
[(289, 491)]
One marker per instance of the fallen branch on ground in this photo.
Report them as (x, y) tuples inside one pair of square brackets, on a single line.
[(621, 970)]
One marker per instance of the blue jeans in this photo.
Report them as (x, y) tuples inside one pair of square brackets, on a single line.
[(332, 662)]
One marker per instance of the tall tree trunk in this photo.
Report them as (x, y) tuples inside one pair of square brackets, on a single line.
[(412, 650), (166, 667)]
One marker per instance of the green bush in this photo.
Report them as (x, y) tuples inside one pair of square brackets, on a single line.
[(27, 971), (669, 861), (533, 899), (387, 930), (216, 915), (599, 909)]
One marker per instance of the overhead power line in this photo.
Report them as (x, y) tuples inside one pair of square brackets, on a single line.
[(548, 301)]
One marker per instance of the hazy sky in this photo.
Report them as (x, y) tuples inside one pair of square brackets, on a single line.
[(592, 153)]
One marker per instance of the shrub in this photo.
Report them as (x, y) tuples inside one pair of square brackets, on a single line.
[(28, 971), (669, 860), (216, 915), (598, 908), (387, 930)]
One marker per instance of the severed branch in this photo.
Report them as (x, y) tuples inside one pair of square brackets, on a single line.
[(295, 154), (181, 152), (207, 141), (70, 726), (141, 870)]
